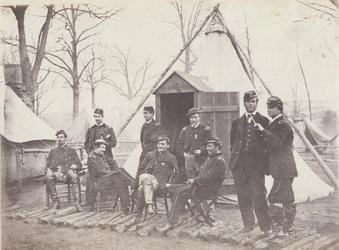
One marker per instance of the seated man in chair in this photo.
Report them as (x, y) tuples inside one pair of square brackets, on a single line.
[(62, 164), (155, 171), (203, 187), (99, 169)]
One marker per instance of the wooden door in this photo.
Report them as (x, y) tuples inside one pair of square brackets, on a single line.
[(218, 110)]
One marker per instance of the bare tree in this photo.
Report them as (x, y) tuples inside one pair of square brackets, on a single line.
[(95, 74), (324, 9), (187, 25), (74, 43), (131, 84), (30, 73)]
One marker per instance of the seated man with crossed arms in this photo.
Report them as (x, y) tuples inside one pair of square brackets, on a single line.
[(155, 171)]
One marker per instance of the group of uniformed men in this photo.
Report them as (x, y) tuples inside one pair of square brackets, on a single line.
[(259, 147)]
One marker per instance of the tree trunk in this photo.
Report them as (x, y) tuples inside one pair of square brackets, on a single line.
[(93, 97), (29, 95), (76, 96), (188, 60)]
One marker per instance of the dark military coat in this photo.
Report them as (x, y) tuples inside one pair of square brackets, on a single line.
[(148, 136), (161, 165), (104, 132), (280, 157), (211, 177), (97, 165), (256, 142), (63, 156), (191, 139)]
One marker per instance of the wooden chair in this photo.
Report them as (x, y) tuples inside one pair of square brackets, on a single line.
[(157, 196), (68, 193)]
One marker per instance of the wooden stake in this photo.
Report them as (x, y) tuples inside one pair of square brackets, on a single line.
[(166, 70)]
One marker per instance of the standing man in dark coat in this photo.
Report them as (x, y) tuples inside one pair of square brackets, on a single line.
[(191, 144), (104, 132), (281, 164), (62, 164), (104, 176), (149, 133), (248, 165), (205, 186), (100, 131)]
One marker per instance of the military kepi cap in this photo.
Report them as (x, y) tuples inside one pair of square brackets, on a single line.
[(214, 140), (192, 111), (100, 141), (250, 95), (61, 132), (274, 101), (99, 111), (163, 138), (149, 109)]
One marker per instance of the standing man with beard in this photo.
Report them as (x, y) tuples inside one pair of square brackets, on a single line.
[(281, 165), (149, 133), (248, 165)]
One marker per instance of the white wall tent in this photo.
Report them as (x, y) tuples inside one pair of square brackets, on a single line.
[(23, 134)]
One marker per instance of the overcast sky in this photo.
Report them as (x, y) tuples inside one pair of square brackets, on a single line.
[(277, 29)]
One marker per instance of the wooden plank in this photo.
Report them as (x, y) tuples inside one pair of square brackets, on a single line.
[(126, 225), (63, 219), (79, 223), (95, 217), (85, 215), (120, 221), (147, 230), (104, 224)]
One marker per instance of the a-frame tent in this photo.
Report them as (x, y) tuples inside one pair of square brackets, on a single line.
[(221, 69)]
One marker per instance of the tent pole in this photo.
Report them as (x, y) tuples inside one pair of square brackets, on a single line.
[(215, 8), (18, 157), (321, 162)]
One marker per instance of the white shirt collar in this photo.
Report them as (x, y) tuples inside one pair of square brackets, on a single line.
[(195, 125), (253, 114), (275, 118), (148, 122), (102, 123)]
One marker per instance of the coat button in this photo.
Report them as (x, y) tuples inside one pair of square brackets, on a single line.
[(239, 141), (237, 152)]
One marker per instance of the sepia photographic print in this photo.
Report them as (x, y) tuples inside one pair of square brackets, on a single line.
[(169, 124)]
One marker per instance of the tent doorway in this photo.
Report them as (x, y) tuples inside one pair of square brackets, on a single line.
[(173, 109)]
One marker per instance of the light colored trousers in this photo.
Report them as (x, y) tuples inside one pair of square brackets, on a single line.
[(148, 184)]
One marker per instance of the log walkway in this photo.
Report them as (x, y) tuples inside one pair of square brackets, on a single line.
[(189, 227)]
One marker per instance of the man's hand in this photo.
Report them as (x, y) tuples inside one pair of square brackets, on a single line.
[(74, 167), (258, 126), (197, 152), (190, 181)]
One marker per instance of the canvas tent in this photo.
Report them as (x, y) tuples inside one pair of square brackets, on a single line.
[(21, 130), (221, 70), (76, 133)]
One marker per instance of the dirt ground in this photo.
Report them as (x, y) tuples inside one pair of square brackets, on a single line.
[(18, 235)]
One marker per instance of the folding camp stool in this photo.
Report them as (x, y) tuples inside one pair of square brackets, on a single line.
[(202, 207)]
